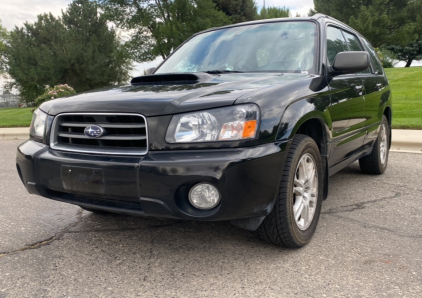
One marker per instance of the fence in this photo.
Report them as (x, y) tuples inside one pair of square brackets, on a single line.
[(9, 101)]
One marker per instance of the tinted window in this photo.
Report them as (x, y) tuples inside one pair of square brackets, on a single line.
[(374, 57), (282, 46), (354, 45), (335, 43), (352, 41)]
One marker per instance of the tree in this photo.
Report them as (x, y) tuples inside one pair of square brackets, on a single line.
[(159, 26), (274, 12), (408, 53), (383, 22), (94, 46), (3, 38), (78, 49), (238, 10), (311, 12), (387, 58)]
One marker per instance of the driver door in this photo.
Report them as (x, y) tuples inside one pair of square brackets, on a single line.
[(347, 108)]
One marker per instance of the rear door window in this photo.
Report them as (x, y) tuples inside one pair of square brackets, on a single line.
[(374, 57)]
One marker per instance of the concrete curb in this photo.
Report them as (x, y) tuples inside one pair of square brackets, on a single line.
[(403, 140), (405, 151), (406, 140), (13, 133)]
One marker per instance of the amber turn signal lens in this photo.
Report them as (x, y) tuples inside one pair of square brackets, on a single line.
[(249, 129)]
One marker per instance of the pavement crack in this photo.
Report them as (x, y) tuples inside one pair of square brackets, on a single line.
[(384, 229), (126, 229), (404, 186), (47, 241), (151, 254), (360, 205)]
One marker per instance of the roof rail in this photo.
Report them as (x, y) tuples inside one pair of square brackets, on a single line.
[(321, 15)]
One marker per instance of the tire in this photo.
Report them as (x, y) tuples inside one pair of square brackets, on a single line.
[(280, 227), (97, 211), (376, 162)]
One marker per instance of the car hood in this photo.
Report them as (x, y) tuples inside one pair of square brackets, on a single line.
[(164, 99)]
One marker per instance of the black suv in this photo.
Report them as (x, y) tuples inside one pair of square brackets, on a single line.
[(242, 123)]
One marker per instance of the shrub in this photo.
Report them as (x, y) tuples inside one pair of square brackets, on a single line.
[(54, 92), (388, 58)]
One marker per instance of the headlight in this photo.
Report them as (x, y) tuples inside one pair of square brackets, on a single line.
[(223, 124), (38, 124)]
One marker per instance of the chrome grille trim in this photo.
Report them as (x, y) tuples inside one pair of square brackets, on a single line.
[(57, 126)]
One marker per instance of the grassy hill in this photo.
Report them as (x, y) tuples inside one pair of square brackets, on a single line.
[(19, 117), (406, 85)]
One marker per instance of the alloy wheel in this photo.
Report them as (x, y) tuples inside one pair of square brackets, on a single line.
[(305, 191), (383, 145)]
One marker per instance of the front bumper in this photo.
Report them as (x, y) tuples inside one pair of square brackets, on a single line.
[(158, 183)]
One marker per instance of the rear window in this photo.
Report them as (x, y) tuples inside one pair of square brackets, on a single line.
[(374, 57)]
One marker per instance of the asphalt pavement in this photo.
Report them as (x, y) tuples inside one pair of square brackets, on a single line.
[(368, 244)]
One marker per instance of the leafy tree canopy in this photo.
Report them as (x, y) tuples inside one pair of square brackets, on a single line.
[(3, 37), (383, 22), (274, 12), (78, 49), (238, 10), (158, 27), (408, 53)]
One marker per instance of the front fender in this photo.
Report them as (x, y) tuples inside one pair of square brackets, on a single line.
[(302, 110)]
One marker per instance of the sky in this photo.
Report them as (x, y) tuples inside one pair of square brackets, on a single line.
[(296, 6), (17, 12)]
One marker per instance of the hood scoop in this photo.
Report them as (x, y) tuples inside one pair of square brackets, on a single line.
[(172, 79)]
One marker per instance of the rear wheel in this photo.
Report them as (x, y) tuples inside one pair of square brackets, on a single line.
[(376, 162), (295, 215)]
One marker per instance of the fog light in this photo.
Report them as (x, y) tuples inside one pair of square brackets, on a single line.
[(204, 196)]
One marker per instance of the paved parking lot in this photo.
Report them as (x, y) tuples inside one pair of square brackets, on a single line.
[(368, 244)]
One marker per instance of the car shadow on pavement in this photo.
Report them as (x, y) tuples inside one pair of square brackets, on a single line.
[(172, 235)]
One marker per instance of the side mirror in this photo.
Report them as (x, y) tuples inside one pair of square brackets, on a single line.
[(150, 71), (350, 62)]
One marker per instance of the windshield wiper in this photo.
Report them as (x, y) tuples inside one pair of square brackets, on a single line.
[(222, 71)]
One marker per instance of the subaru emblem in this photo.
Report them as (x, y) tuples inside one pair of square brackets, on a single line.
[(94, 131)]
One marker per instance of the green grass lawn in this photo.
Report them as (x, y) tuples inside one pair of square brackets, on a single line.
[(406, 85), (19, 117)]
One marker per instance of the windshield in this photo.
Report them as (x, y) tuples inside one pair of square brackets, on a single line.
[(280, 47)]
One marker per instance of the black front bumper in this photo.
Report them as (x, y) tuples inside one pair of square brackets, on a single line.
[(158, 184)]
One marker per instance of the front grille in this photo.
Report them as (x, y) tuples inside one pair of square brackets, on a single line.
[(122, 134)]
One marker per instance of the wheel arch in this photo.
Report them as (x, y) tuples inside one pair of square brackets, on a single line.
[(314, 128), (306, 120), (302, 117)]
